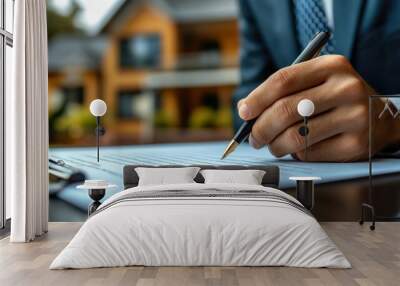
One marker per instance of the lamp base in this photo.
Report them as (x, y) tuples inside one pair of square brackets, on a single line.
[(305, 193), (96, 195), (364, 208)]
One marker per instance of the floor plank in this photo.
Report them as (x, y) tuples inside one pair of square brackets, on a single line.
[(375, 257)]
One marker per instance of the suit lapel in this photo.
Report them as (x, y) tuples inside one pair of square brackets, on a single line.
[(289, 41), (347, 15), (278, 30)]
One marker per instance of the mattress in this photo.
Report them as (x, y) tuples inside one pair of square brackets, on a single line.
[(201, 225)]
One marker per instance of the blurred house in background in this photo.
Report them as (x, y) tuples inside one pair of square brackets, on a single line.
[(166, 68)]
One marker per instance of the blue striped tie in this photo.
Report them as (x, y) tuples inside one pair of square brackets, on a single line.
[(311, 19)]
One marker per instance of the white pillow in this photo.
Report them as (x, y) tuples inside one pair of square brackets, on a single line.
[(248, 177), (165, 176)]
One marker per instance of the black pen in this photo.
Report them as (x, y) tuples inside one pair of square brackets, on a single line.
[(312, 50)]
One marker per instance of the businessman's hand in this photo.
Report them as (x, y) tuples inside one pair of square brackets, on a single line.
[(339, 126)]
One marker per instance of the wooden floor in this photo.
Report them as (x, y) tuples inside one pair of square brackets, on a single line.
[(375, 257)]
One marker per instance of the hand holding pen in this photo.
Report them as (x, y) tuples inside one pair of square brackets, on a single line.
[(340, 121)]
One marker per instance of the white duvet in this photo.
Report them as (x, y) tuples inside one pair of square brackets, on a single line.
[(201, 231)]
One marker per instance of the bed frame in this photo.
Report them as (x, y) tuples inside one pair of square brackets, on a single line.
[(270, 179)]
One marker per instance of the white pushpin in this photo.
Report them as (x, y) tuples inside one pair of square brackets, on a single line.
[(305, 108), (98, 108)]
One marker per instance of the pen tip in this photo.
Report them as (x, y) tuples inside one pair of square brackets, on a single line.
[(229, 149)]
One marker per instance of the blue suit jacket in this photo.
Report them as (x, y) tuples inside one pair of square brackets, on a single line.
[(367, 32)]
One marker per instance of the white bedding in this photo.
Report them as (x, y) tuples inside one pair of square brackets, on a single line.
[(188, 231)]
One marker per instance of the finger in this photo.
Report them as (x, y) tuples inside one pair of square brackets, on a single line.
[(283, 113), (346, 118), (287, 81), (240, 102), (345, 147), (254, 143), (320, 128)]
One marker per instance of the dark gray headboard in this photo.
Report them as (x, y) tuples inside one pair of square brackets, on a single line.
[(271, 177)]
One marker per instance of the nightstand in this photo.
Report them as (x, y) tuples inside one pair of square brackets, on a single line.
[(305, 190), (96, 191)]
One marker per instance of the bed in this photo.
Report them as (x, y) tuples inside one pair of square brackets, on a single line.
[(198, 224)]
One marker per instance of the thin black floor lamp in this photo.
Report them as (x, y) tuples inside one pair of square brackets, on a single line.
[(98, 108), (369, 205)]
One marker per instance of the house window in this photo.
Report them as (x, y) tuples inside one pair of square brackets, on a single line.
[(73, 95), (210, 100), (6, 43), (141, 52), (210, 46), (126, 102), (134, 104)]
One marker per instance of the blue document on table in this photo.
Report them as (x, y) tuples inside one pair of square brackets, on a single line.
[(113, 159)]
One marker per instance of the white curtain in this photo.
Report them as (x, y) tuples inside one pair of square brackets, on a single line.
[(27, 124)]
